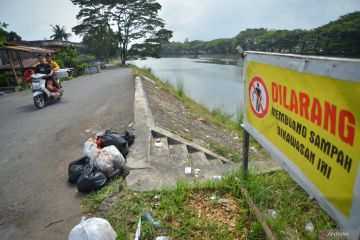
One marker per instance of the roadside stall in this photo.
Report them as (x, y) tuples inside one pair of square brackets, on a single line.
[(16, 59)]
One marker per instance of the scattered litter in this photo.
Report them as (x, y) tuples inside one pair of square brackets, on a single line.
[(217, 177), (187, 130), (158, 140), (201, 119), (271, 214), (54, 222), (4, 93), (207, 136), (149, 218), (311, 198), (223, 201), (159, 144), (196, 172), (87, 130), (131, 124), (157, 197), (187, 170), (252, 148), (93, 228), (213, 198), (236, 138), (309, 227), (162, 238)]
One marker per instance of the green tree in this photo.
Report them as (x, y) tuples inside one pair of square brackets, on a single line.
[(69, 58), (7, 36), (101, 44), (98, 36), (151, 46), (3, 32), (60, 33), (133, 20)]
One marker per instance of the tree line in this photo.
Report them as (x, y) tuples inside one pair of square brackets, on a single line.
[(337, 38)]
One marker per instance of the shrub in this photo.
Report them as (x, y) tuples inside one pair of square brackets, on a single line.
[(71, 59)]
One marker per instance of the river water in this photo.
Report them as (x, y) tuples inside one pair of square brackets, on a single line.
[(214, 82)]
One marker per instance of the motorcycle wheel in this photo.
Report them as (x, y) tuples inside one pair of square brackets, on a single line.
[(39, 101)]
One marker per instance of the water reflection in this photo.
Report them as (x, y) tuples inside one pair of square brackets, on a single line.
[(214, 82)]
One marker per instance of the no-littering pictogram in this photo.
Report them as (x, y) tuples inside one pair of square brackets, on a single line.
[(259, 97)]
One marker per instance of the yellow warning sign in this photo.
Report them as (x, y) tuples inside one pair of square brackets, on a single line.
[(313, 120)]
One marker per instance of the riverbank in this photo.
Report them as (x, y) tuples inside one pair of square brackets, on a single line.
[(208, 210)]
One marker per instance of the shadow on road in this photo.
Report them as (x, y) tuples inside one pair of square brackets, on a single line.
[(27, 108), (33, 108)]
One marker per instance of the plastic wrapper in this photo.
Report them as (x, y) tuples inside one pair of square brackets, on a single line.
[(93, 229)]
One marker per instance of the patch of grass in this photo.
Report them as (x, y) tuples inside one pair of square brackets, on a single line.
[(239, 118), (184, 212), (226, 152), (187, 212), (293, 207), (220, 114), (180, 88), (91, 201)]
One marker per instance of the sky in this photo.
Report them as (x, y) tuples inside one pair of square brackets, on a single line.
[(192, 19)]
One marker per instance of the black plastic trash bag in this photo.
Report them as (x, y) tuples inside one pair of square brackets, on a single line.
[(76, 168), (129, 137), (91, 179), (113, 138)]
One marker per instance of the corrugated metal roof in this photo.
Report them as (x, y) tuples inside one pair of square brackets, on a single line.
[(27, 63), (26, 49)]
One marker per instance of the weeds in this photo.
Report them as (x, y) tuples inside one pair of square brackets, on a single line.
[(180, 88)]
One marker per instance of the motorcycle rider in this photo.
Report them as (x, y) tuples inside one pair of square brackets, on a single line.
[(45, 68)]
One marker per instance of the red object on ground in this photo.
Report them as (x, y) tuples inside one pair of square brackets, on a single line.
[(98, 142), (27, 75)]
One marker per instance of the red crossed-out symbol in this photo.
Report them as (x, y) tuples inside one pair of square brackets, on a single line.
[(259, 97)]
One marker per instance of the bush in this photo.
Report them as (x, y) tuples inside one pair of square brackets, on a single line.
[(71, 59), (3, 81)]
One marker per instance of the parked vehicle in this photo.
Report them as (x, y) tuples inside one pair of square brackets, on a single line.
[(41, 94)]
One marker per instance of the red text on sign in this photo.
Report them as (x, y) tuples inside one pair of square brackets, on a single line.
[(324, 114)]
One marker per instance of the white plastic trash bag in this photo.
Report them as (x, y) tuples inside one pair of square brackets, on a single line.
[(93, 229), (90, 148), (109, 160)]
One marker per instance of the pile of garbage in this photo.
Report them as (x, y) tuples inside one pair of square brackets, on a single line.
[(102, 159)]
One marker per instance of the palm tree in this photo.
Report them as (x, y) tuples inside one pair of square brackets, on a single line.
[(60, 33)]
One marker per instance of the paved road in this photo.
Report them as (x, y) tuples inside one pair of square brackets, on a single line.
[(36, 147)]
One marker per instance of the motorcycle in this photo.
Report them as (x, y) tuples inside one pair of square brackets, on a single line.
[(41, 94)]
